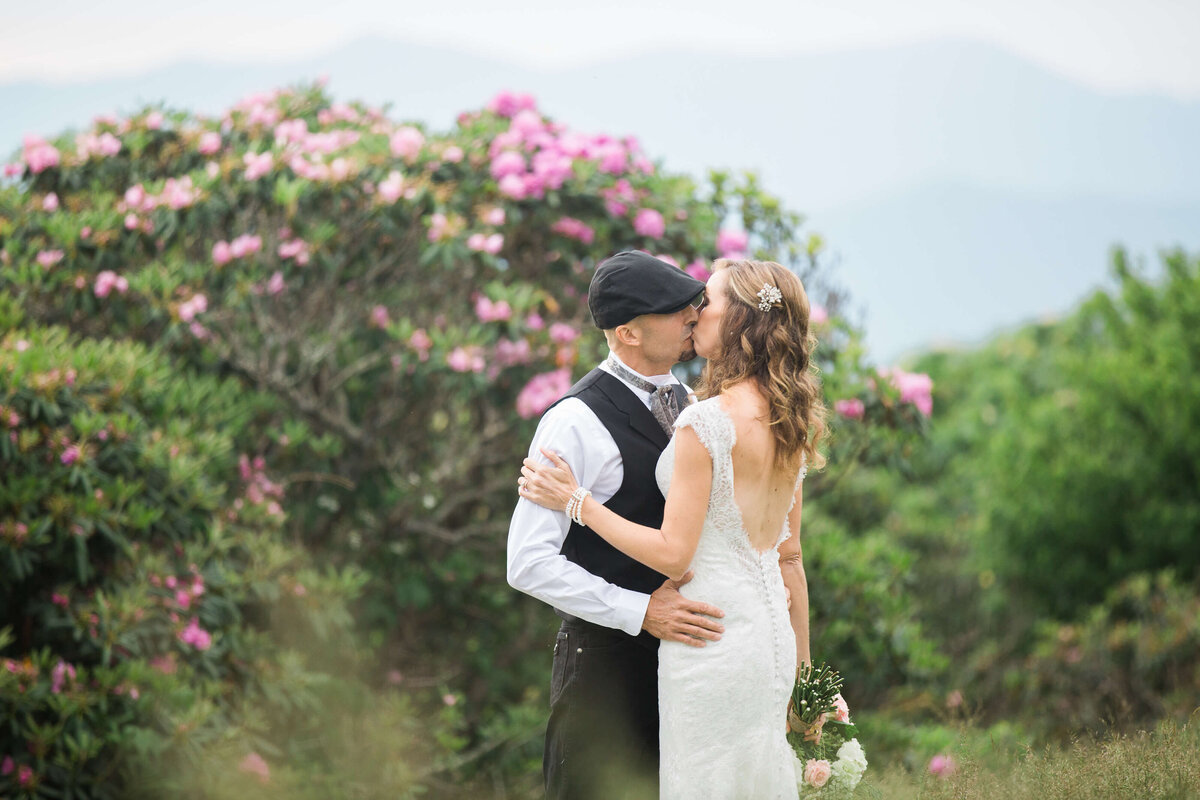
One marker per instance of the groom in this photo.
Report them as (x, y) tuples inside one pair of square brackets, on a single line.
[(611, 427)]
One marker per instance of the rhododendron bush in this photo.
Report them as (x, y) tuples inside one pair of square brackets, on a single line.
[(411, 300)]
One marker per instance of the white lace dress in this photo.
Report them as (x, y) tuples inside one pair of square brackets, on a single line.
[(723, 707)]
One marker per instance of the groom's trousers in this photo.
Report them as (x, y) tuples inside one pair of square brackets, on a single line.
[(602, 738)]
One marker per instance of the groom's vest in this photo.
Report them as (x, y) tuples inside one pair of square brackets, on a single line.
[(641, 440)]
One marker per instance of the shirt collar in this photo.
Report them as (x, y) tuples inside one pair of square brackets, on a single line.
[(657, 380)]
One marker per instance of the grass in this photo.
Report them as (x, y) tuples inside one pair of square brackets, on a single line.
[(1160, 765)]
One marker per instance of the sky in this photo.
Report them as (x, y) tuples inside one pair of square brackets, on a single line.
[(1114, 46)]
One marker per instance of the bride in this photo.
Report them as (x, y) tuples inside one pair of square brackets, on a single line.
[(732, 476)]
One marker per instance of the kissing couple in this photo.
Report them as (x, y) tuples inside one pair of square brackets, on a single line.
[(666, 535)]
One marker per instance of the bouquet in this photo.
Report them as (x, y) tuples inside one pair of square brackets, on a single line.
[(829, 760)]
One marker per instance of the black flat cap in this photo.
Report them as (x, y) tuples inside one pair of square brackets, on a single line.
[(633, 283)]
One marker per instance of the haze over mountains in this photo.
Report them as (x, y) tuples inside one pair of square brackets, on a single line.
[(962, 188)]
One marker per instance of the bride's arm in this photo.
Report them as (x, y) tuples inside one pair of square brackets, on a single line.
[(669, 550), (791, 564)]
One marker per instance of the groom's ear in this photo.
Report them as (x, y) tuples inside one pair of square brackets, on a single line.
[(629, 334)]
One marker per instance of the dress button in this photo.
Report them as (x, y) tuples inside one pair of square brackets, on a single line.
[(579, 650)]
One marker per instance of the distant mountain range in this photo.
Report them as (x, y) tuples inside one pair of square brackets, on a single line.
[(963, 187)]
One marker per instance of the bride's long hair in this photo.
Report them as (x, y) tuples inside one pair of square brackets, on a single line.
[(774, 349)]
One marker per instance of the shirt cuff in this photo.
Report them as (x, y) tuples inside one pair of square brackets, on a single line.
[(631, 611)]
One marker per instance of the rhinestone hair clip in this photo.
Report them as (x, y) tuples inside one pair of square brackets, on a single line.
[(768, 296)]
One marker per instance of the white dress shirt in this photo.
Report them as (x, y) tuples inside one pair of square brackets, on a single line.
[(536, 534)]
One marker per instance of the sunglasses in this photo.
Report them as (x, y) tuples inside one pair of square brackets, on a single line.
[(699, 301)]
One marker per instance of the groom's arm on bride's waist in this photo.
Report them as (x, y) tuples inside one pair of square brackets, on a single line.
[(536, 565)]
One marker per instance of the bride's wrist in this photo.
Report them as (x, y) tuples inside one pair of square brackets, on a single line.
[(575, 505)]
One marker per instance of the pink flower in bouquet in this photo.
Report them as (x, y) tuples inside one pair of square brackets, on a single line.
[(841, 709), (210, 142), (732, 244), (406, 143), (817, 772), (942, 765), (253, 764), (649, 222), (851, 408), (50, 203)]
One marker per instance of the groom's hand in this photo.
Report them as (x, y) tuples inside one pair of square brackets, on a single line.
[(673, 617)]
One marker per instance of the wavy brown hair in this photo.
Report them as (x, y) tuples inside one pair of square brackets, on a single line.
[(774, 349)]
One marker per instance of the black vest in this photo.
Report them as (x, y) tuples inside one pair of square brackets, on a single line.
[(641, 440)]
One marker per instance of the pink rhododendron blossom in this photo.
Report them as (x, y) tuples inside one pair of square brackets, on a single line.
[(453, 154), (70, 455), (851, 408), (244, 245), (339, 169), (132, 222), (421, 342), (60, 600), (379, 317), (60, 674), (108, 280), (406, 143), (135, 196), (613, 158), (276, 285), (466, 359), (39, 154), (391, 187), (50, 203), (507, 163), (48, 258), (24, 775), (489, 311), (257, 165), (437, 227), (914, 387), (509, 352), (210, 142), (154, 120), (188, 309), (295, 248), (649, 222), (817, 315), (542, 391), (506, 104), (512, 186), (196, 636), (222, 254), (253, 764), (574, 229), (817, 772), (732, 244), (527, 122), (535, 322), (668, 259), (13, 170), (698, 270), (183, 599), (7, 766), (942, 765), (494, 216), (562, 333)]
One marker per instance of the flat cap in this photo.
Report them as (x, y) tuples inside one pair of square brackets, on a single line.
[(632, 283)]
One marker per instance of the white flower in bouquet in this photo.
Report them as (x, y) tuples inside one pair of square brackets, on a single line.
[(849, 766)]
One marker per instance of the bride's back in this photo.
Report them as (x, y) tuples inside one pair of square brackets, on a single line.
[(762, 489)]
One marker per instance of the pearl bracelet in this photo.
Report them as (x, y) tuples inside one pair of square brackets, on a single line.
[(575, 505)]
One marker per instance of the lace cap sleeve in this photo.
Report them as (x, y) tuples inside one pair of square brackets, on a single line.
[(712, 426)]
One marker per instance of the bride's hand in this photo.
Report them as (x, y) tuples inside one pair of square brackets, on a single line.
[(550, 485)]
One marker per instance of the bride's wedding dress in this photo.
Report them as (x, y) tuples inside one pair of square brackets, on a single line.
[(723, 707)]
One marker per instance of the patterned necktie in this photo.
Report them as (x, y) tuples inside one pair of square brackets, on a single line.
[(665, 402)]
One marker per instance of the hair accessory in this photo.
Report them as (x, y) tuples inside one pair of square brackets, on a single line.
[(768, 296)]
